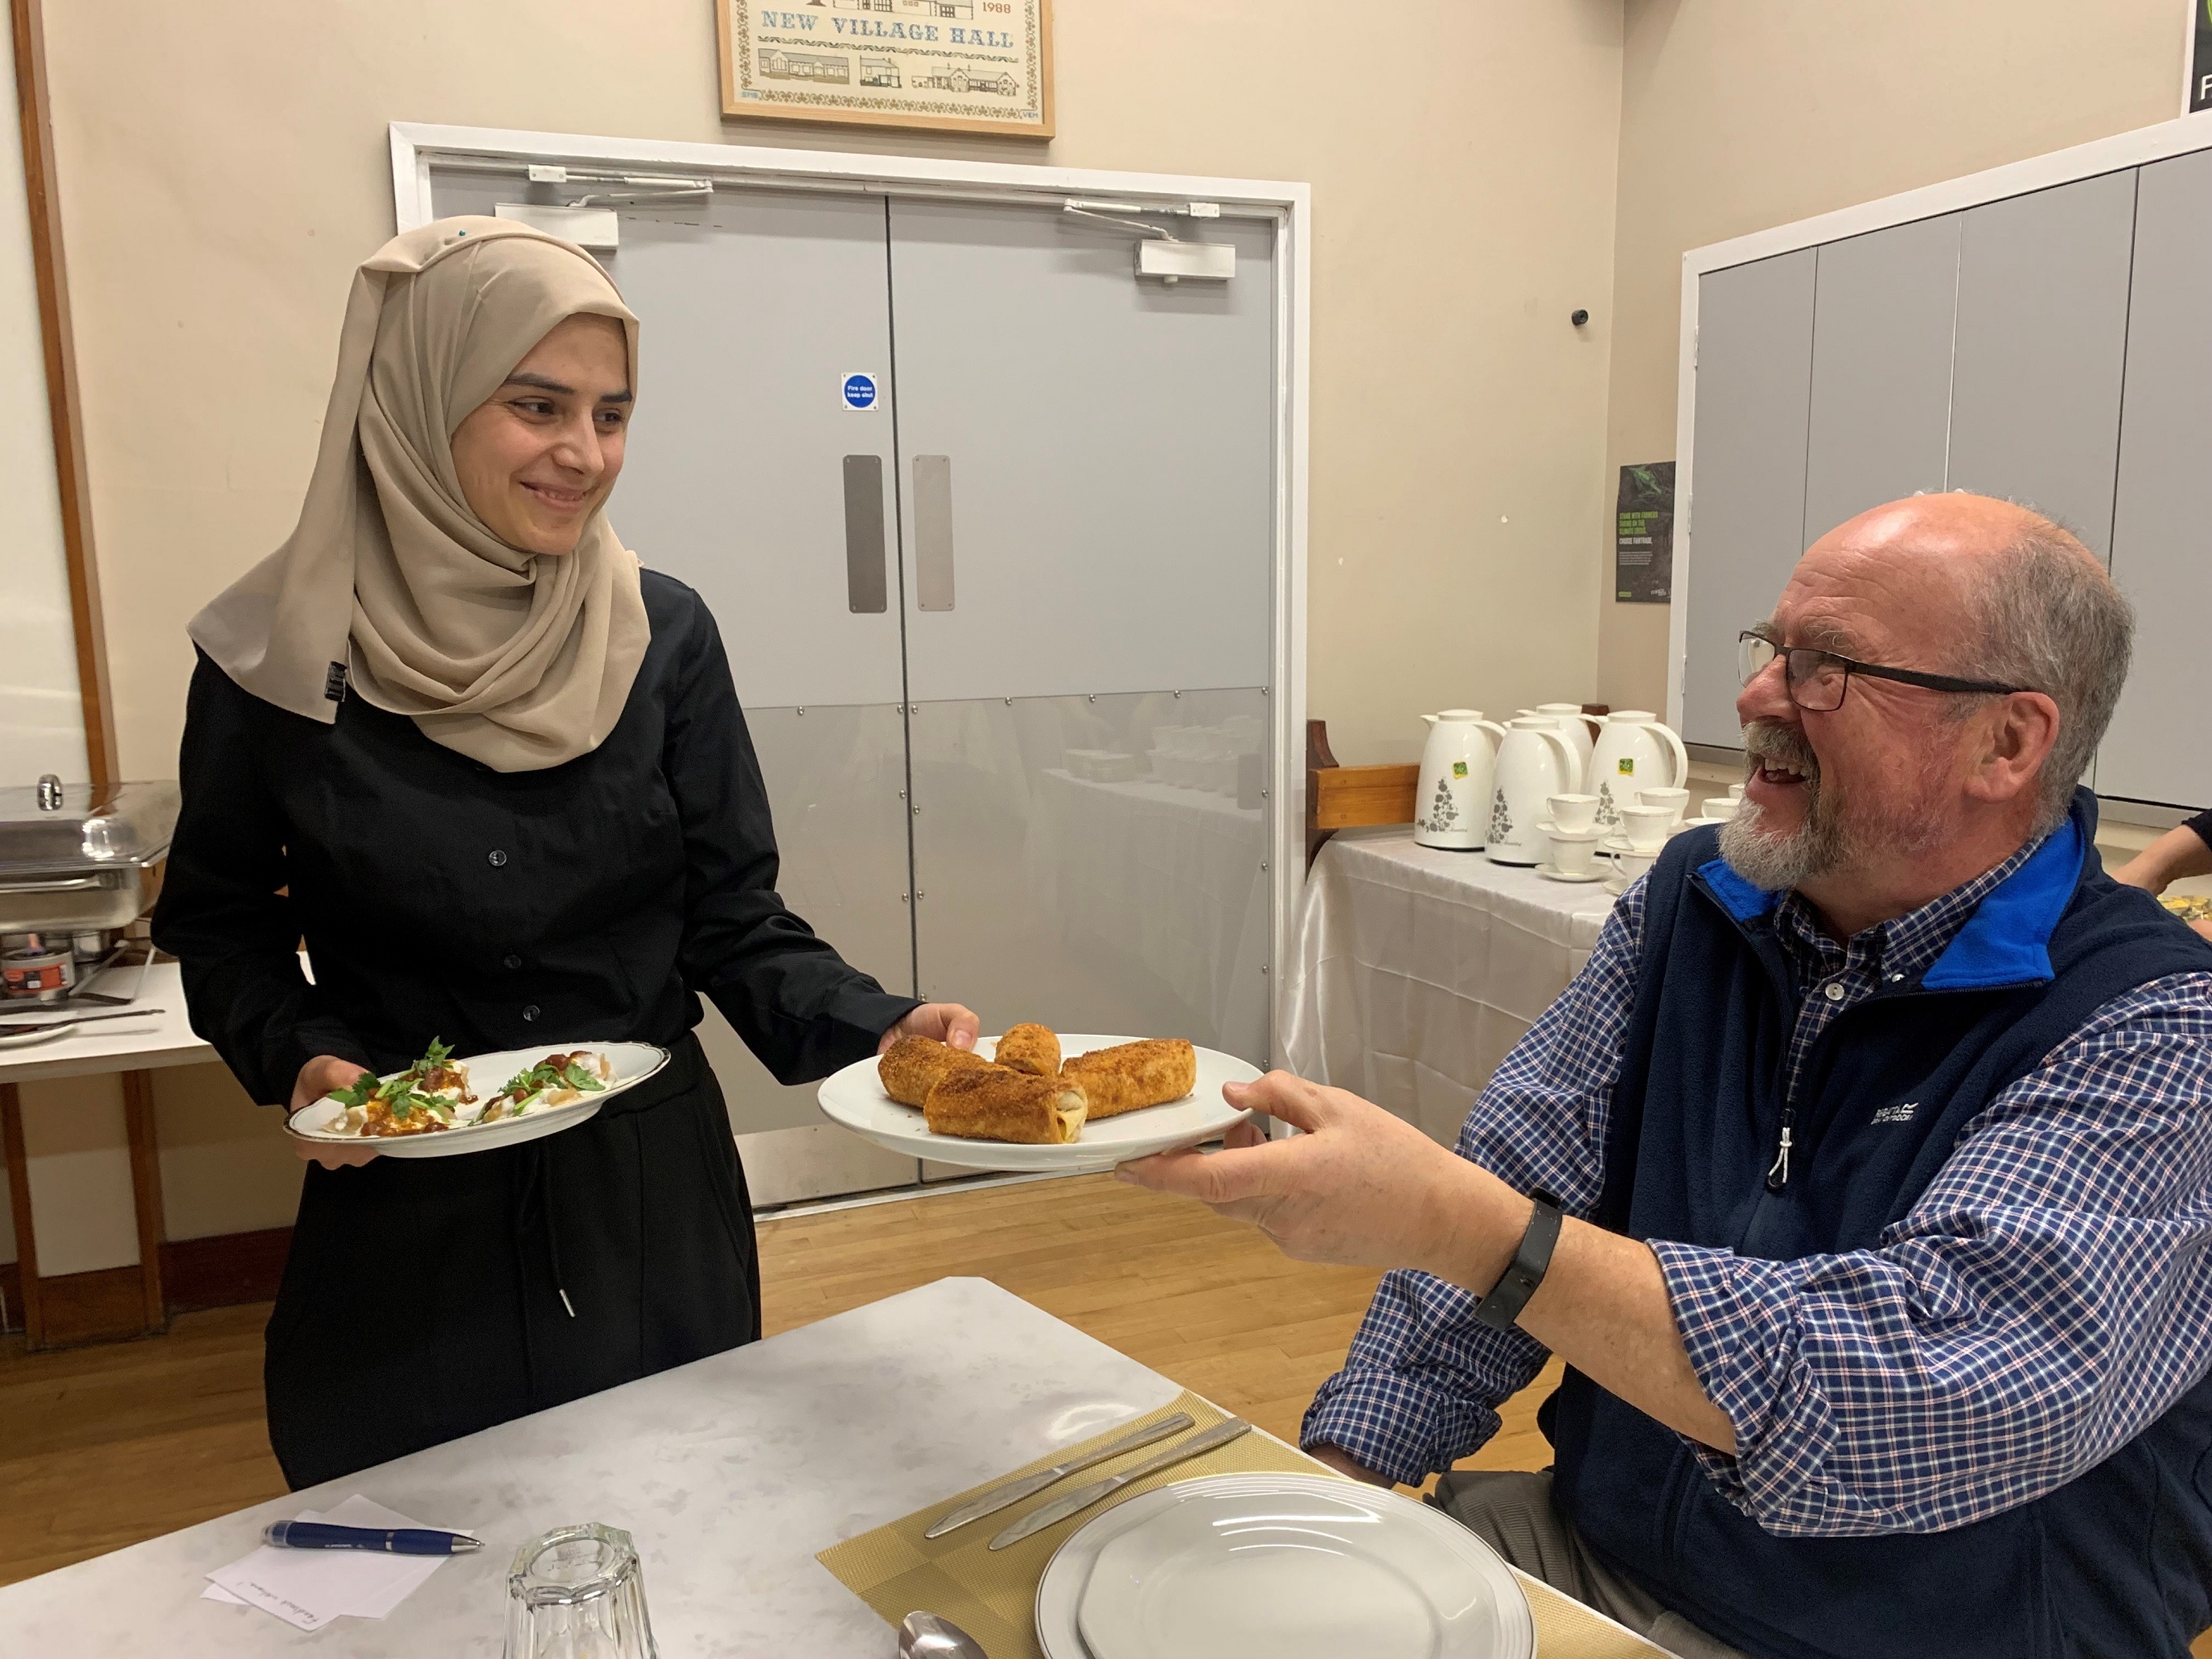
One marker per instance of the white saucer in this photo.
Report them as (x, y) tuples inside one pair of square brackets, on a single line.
[(1549, 828), (1553, 873)]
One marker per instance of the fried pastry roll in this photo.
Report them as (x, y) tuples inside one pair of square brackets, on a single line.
[(1133, 1075), (992, 1103), (1031, 1049), (911, 1066)]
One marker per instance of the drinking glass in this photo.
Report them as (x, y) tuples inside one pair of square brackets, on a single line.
[(578, 1592)]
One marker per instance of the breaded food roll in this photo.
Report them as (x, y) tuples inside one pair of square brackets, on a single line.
[(992, 1103), (1133, 1075), (911, 1066), (1030, 1048)]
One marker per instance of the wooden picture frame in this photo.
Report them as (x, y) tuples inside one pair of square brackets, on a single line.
[(935, 65)]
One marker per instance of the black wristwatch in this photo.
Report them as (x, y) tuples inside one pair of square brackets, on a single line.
[(1501, 1306)]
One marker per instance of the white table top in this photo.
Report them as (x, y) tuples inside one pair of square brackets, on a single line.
[(1572, 911), (111, 1045), (730, 1472)]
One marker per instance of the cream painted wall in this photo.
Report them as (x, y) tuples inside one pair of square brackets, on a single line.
[(41, 719), (1737, 115), (223, 167)]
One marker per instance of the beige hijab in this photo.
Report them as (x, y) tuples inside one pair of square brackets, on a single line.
[(517, 660)]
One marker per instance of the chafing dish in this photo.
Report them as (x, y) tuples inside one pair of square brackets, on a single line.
[(75, 859)]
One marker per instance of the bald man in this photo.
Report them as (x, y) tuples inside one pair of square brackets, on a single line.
[(1880, 1123)]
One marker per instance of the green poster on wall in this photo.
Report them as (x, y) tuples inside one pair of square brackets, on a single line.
[(2200, 59), (1643, 535)]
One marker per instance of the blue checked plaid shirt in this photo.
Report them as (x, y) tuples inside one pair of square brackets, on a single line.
[(2046, 1301)]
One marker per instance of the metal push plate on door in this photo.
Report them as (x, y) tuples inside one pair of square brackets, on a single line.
[(866, 588), (932, 531)]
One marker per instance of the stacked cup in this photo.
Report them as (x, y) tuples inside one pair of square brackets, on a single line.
[(1574, 835), (1644, 828)]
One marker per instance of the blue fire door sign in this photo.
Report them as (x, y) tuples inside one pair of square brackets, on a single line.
[(860, 392)]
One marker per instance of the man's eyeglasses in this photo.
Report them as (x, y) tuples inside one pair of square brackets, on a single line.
[(1818, 679)]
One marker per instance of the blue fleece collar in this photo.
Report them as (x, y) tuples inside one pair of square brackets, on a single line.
[(2005, 942), (2008, 939)]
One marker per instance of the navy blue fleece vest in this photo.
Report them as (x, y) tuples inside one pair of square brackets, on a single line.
[(2119, 1561)]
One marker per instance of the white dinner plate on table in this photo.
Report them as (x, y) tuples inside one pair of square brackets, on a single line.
[(856, 1098), (633, 1062), (1278, 1566)]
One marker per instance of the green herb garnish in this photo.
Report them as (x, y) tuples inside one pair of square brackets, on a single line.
[(359, 1092)]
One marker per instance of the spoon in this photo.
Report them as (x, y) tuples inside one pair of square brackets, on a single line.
[(926, 1636)]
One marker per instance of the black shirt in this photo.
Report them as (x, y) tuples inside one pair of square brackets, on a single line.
[(439, 898)]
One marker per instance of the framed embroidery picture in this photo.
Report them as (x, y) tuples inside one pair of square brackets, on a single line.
[(949, 65)]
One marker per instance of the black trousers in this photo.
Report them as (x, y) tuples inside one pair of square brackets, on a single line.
[(426, 1299)]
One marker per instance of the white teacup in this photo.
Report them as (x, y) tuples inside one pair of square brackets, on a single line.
[(1737, 790), (1646, 827), (1722, 806), (1573, 813), (1574, 852), (1632, 865), (1694, 823), (1676, 801)]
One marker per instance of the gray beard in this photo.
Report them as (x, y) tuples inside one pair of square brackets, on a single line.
[(1828, 840), (1774, 863)]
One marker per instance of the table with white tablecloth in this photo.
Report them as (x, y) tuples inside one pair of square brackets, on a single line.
[(1417, 968)]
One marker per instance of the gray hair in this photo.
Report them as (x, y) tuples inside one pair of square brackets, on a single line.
[(2045, 615)]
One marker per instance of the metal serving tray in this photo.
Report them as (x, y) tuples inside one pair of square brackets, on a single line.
[(74, 858)]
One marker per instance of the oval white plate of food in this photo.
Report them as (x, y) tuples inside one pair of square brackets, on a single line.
[(628, 1065), (856, 1098)]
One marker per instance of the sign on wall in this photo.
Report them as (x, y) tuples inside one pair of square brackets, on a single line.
[(2200, 58), (956, 65), (1643, 535)]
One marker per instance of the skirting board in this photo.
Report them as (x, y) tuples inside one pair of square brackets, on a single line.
[(106, 1306)]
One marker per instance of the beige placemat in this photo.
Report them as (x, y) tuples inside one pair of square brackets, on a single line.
[(992, 1597)]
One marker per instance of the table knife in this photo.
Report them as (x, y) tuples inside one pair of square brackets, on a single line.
[(7, 1026), (1046, 1515), (1013, 1491)]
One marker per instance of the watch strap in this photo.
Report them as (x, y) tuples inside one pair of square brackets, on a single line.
[(1501, 1310)]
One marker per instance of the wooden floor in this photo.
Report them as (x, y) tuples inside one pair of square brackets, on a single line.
[(100, 1447)]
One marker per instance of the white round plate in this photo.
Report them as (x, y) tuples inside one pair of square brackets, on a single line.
[(1553, 873), (633, 1063), (856, 1098), (1289, 1566)]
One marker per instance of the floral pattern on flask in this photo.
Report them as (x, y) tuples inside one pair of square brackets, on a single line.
[(1443, 811), (1501, 821)]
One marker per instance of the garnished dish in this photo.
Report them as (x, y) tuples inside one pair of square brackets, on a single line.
[(424, 1098), (556, 1080), (433, 1094), (443, 1103)]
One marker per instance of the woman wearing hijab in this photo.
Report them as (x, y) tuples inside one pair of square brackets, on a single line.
[(496, 778)]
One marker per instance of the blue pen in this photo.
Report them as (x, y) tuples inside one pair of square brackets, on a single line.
[(403, 1540)]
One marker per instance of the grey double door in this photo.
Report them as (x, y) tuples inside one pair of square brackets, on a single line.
[(1001, 629)]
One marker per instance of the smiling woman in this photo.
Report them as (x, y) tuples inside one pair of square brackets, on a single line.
[(539, 456), (495, 775)]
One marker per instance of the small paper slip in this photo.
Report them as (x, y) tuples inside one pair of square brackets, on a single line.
[(310, 1588)]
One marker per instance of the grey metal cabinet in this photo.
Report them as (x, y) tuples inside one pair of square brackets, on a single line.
[(2160, 746), (1755, 393), (1882, 314), (2042, 342)]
